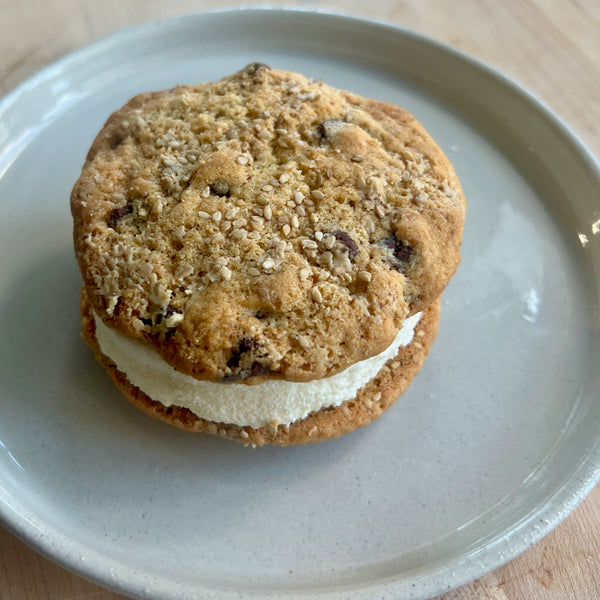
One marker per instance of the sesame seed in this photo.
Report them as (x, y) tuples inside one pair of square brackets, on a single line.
[(205, 192), (226, 226), (239, 223), (420, 333), (298, 197), (329, 242), (281, 131), (268, 213), (364, 276), (263, 292), (253, 271), (244, 434), (263, 134), (245, 146), (230, 214), (417, 345), (267, 188), (242, 160), (380, 211), (222, 432), (305, 273), (203, 215), (284, 178), (239, 234), (357, 158), (268, 264), (285, 230), (319, 235), (367, 402), (295, 222), (179, 232), (300, 211), (345, 409), (395, 364), (313, 431), (257, 223), (216, 216), (377, 397), (316, 295), (280, 248), (225, 273), (309, 244), (317, 195)]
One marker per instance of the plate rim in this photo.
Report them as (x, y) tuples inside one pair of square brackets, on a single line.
[(564, 499)]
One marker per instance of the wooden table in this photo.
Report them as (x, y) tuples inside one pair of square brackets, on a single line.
[(551, 46)]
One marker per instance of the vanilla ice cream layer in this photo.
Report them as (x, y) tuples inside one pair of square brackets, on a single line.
[(236, 403)]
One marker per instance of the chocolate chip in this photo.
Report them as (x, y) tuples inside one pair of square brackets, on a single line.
[(345, 239), (329, 128), (256, 66), (246, 345), (116, 139), (169, 311), (118, 213), (220, 187), (401, 253), (146, 321)]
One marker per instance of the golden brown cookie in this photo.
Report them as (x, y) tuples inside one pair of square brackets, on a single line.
[(370, 402), (264, 230), (264, 226)]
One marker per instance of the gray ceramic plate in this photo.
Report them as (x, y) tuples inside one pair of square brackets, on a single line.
[(495, 442)]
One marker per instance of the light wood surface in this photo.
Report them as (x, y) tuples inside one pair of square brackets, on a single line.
[(550, 46)]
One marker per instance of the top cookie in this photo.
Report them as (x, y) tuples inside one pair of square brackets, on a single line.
[(265, 225)]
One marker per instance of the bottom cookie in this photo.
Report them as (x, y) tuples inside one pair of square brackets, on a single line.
[(370, 402)]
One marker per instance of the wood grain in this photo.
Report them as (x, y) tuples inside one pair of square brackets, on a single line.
[(550, 46)]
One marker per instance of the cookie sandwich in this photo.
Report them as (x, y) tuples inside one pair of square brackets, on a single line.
[(262, 257)]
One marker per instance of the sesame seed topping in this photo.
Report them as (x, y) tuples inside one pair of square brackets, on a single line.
[(268, 212), (364, 276), (239, 234), (230, 214), (367, 402), (298, 197), (263, 134), (285, 230), (309, 244), (305, 273), (174, 320), (205, 192), (284, 178), (357, 158), (245, 146), (216, 216), (244, 434), (380, 211), (345, 409), (329, 242), (295, 222), (268, 264), (317, 195), (312, 432), (267, 188), (377, 397), (226, 226), (319, 235), (242, 160), (300, 211), (239, 223), (280, 248), (203, 215), (225, 273), (316, 295), (253, 271)]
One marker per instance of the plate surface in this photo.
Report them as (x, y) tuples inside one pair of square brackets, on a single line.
[(495, 442)]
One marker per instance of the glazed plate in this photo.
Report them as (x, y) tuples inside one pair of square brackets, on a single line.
[(496, 441)]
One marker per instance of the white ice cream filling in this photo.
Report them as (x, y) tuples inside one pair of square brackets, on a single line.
[(276, 401)]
